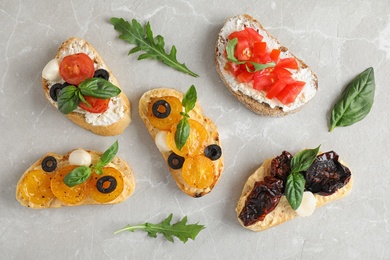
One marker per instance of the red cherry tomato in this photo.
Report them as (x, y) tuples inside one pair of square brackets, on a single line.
[(98, 105), (76, 68)]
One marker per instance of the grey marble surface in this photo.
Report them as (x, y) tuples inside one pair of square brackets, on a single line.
[(338, 39)]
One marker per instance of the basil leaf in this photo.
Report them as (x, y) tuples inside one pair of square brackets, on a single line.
[(68, 99), (260, 66), (355, 102), (295, 186), (82, 99), (77, 176), (302, 160), (182, 133), (189, 99), (99, 88), (107, 156)]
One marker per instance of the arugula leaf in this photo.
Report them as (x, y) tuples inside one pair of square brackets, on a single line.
[(181, 229), (77, 176), (355, 102), (82, 173), (295, 184), (295, 187), (230, 49), (144, 40)]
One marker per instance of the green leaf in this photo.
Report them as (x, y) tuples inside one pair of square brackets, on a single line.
[(302, 160), (189, 99), (99, 88), (68, 99), (182, 133), (295, 186), (355, 102), (107, 157), (135, 34), (181, 229), (77, 176), (259, 66)]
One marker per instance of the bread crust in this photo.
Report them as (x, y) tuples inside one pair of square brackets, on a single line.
[(196, 114), (283, 211), (258, 107), (62, 161), (79, 118)]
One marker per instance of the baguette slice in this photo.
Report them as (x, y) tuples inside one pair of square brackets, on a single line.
[(253, 99), (196, 114), (116, 118), (283, 211), (25, 186)]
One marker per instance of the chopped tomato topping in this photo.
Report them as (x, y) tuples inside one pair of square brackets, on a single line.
[(288, 63), (239, 35), (275, 89), (243, 51), (259, 48), (290, 92), (254, 36), (98, 105), (275, 55), (245, 77)]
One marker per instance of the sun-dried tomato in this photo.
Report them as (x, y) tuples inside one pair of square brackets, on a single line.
[(263, 198), (326, 175), (280, 167)]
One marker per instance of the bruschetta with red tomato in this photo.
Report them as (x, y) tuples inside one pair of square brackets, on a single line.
[(261, 73), (80, 85)]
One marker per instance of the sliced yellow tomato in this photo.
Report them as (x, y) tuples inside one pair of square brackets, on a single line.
[(107, 186), (198, 171), (165, 120), (35, 187)]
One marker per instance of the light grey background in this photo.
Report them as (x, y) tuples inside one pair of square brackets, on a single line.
[(338, 39)]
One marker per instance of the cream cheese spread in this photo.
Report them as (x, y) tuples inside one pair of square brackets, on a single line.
[(303, 74)]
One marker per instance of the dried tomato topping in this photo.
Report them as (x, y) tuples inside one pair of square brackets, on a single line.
[(280, 166), (326, 175), (263, 199)]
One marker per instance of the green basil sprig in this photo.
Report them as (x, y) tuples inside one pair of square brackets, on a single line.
[(183, 127), (231, 47), (82, 173), (70, 96), (355, 102), (295, 184)]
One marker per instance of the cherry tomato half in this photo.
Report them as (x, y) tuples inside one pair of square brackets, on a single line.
[(76, 68), (98, 105)]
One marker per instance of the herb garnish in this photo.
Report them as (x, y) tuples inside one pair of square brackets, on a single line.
[(231, 47), (355, 101), (183, 127), (180, 229), (70, 96), (82, 173), (295, 184), (144, 40)]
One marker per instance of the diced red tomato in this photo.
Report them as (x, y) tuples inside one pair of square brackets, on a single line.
[(233, 68), (275, 55), (245, 77), (262, 82), (290, 92), (275, 89), (266, 58), (239, 35), (76, 68), (286, 79), (259, 49), (288, 63), (243, 50), (98, 105), (254, 36), (281, 72)]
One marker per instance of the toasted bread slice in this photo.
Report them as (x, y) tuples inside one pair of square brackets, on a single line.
[(195, 114), (111, 122), (283, 211), (254, 99), (34, 188)]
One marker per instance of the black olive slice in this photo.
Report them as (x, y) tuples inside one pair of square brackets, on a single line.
[(161, 109), (101, 181), (213, 152), (101, 73), (175, 161), (55, 90), (49, 164)]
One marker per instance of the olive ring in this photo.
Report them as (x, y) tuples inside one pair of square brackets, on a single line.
[(165, 105), (101, 181)]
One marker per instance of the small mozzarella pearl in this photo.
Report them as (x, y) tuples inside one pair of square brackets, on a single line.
[(80, 157), (52, 70), (161, 141), (308, 205)]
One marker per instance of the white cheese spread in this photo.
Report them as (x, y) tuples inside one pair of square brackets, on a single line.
[(238, 23)]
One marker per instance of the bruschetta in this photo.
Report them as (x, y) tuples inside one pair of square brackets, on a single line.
[(80, 85), (261, 73), (196, 162), (79, 177), (263, 203)]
